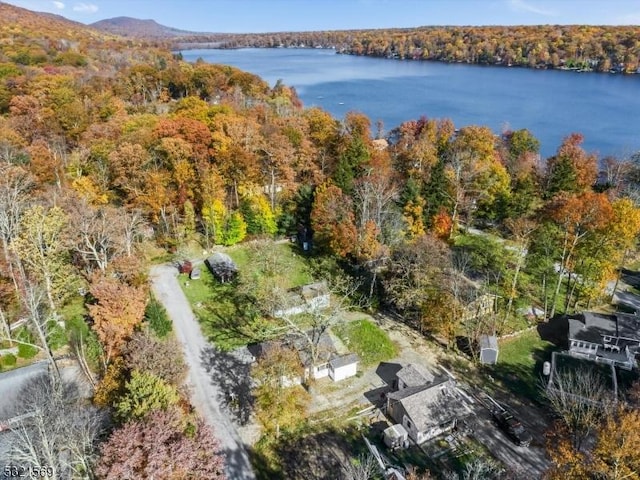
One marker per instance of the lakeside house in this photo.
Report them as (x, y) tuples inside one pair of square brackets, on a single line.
[(608, 338)]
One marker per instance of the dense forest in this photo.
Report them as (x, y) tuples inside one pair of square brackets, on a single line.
[(113, 152), (597, 48)]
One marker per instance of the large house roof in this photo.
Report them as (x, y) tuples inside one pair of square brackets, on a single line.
[(413, 376), (591, 327), (432, 404)]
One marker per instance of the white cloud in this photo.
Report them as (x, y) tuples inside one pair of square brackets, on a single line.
[(85, 8), (58, 5), (522, 6)]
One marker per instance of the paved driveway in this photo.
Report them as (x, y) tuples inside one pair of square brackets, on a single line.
[(530, 462), (203, 391)]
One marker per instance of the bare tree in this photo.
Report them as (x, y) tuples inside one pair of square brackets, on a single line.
[(478, 469), (521, 230), (56, 431), (580, 398), (96, 234), (41, 324), (365, 467), (15, 185), (133, 225)]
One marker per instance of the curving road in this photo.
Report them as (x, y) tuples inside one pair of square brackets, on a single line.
[(204, 393)]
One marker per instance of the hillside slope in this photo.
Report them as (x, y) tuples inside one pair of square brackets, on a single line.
[(133, 27)]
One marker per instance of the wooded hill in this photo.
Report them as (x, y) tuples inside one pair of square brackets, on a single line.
[(133, 27)]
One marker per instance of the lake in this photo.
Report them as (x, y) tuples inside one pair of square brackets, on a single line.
[(605, 108)]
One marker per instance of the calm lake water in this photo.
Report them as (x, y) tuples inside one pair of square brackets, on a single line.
[(605, 108)]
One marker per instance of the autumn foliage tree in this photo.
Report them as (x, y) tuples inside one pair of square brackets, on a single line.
[(572, 169), (333, 221), (166, 444), (280, 403), (114, 320)]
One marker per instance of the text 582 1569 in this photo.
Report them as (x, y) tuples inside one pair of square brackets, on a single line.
[(21, 471)]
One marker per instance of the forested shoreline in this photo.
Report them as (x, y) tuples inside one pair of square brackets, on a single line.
[(574, 47), (115, 154)]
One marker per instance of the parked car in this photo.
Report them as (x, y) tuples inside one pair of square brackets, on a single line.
[(512, 427)]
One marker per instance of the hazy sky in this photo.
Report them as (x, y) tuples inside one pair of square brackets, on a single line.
[(301, 15)]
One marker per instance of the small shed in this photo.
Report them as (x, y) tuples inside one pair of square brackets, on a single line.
[(222, 267), (488, 349), (343, 367), (195, 273), (395, 436)]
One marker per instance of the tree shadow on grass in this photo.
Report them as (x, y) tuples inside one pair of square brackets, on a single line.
[(524, 380), (307, 456), (232, 375), (230, 317)]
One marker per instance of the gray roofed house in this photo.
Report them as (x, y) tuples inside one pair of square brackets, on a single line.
[(305, 299), (612, 339), (413, 376), (427, 410)]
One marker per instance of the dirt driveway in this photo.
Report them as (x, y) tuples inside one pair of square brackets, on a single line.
[(204, 392)]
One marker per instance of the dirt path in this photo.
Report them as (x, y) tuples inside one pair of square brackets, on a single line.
[(204, 393)]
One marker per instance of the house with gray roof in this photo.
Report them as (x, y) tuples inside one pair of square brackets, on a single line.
[(319, 359), (425, 410), (608, 338), (413, 376), (314, 296)]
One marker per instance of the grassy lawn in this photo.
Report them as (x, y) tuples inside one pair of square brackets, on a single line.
[(215, 308), (367, 340), (520, 360), (274, 257), (228, 317)]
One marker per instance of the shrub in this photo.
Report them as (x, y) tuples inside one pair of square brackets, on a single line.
[(9, 360), (145, 393), (26, 351), (157, 318), (163, 358)]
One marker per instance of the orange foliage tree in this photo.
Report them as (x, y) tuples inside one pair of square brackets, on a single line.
[(118, 309), (333, 220)]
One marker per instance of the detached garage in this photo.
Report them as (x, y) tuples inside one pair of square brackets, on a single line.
[(343, 367)]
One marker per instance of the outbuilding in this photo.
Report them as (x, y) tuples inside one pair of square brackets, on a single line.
[(222, 267), (488, 349), (342, 367), (395, 436)]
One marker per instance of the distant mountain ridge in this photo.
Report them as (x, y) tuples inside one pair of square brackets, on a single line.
[(134, 27)]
